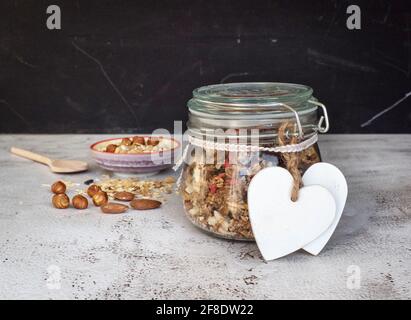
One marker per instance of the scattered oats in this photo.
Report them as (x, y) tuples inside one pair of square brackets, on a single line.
[(70, 184), (81, 191), (142, 188)]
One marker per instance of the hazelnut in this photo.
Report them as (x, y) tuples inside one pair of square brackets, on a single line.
[(111, 148), (61, 201), (100, 198), (126, 142), (139, 140), (153, 141), (79, 202), (92, 190), (58, 187)]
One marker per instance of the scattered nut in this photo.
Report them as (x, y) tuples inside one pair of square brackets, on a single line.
[(61, 201), (124, 196), (100, 198), (145, 204), (126, 142), (79, 202), (92, 190), (58, 187), (111, 148), (139, 140), (112, 207)]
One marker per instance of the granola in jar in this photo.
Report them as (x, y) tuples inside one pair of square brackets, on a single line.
[(214, 183), (215, 195)]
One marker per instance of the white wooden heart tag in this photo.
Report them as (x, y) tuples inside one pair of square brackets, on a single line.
[(331, 178), (281, 226)]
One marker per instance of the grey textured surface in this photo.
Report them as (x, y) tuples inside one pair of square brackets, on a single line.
[(159, 254)]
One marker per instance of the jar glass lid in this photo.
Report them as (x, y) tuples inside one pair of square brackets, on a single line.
[(255, 100), (253, 93)]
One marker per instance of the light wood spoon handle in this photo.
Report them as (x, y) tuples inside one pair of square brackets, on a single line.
[(30, 155)]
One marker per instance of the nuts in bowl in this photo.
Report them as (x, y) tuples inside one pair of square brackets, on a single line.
[(138, 144), (137, 154)]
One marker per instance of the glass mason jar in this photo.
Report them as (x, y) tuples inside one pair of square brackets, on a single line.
[(234, 131)]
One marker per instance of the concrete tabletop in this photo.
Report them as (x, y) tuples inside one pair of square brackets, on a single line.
[(47, 253)]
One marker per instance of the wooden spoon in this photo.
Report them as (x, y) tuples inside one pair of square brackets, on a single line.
[(58, 166)]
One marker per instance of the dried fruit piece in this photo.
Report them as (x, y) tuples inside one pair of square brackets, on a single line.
[(124, 196), (79, 202), (139, 140), (61, 201), (100, 198), (92, 190), (145, 204), (58, 187), (112, 207), (111, 148)]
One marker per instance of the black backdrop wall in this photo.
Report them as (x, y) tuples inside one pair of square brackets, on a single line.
[(115, 58)]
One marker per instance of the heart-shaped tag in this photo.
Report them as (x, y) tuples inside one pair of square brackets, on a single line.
[(281, 226), (331, 178)]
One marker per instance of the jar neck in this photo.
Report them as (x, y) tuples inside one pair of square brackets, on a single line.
[(266, 125)]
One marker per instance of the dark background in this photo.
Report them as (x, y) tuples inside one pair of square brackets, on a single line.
[(131, 65)]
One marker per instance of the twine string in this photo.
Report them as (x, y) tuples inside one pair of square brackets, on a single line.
[(290, 159), (288, 151)]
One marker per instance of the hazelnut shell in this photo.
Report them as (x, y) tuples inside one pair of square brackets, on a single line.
[(79, 202), (92, 190), (139, 140), (153, 141), (58, 187), (126, 142), (61, 201), (100, 198), (111, 148)]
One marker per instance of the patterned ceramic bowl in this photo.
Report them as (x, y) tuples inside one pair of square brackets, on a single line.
[(140, 163)]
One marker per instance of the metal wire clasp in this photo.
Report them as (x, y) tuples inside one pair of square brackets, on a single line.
[(297, 118), (322, 129)]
